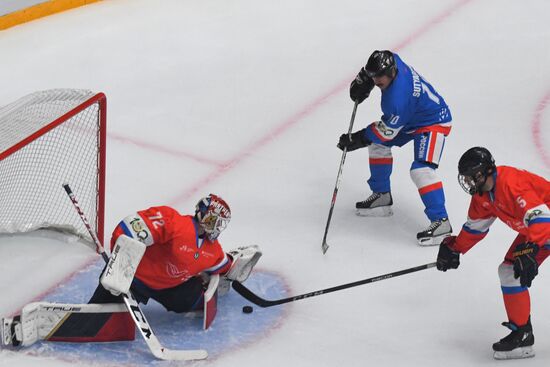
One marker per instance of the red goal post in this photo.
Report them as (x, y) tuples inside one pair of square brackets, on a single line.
[(49, 138)]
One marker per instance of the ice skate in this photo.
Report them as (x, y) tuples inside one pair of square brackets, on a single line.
[(377, 205), (518, 344), (435, 233)]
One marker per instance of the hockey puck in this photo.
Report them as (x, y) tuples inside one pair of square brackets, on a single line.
[(247, 309)]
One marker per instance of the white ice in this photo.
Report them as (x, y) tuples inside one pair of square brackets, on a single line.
[(247, 99)]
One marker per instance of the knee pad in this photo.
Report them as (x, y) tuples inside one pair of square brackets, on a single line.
[(379, 151), (423, 174), (506, 275)]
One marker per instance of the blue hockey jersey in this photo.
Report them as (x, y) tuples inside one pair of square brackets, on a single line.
[(409, 104)]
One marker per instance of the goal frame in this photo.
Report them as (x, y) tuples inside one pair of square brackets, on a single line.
[(101, 100)]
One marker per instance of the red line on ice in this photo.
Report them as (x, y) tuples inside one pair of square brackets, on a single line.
[(536, 129), (162, 149)]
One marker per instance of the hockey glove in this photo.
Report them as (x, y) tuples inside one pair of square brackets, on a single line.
[(361, 86), (446, 257), (526, 267), (358, 140)]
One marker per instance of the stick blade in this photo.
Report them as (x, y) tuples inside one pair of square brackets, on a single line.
[(181, 355), (250, 296), (324, 247)]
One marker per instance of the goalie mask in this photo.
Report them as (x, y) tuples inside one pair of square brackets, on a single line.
[(213, 215)]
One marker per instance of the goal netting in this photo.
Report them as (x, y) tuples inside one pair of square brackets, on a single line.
[(49, 138)]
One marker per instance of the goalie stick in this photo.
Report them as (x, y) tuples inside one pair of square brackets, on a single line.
[(257, 300), (324, 246), (132, 305)]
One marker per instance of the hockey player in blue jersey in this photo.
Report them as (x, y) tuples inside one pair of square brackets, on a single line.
[(412, 111)]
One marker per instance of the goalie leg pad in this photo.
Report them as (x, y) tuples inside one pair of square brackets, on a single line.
[(68, 322), (121, 268), (211, 301), (244, 260)]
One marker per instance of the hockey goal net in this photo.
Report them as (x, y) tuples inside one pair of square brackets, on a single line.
[(49, 138)]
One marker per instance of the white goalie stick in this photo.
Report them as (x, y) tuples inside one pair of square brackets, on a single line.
[(132, 305)]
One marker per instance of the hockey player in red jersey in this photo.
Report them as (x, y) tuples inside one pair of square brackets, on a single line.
[(521, 200), (157, 254)]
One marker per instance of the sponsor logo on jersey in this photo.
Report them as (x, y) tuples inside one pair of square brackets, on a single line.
[(533, 214), (138, 229), (384, 130), (422, 146), (173, 271)]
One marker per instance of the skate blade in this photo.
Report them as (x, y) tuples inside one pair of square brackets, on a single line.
[(6, 331), (518, 353), (381, 211), (432, 241)]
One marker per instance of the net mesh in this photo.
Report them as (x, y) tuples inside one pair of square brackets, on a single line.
[(64, 150)]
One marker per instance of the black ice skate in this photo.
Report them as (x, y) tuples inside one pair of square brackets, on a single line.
[(377, 205), (518, 344), (435, 233)]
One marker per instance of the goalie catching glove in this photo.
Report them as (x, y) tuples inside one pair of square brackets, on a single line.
[(244, 259), (121, 268)]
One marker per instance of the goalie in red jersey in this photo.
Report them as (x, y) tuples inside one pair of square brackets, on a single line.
[(157, 254), (521, 200), (160, 254)]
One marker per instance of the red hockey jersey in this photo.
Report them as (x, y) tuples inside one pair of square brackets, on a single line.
[(519, 198), (174, 253)]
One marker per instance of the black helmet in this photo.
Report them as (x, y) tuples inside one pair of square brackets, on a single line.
[(380, 63), (475, 165)]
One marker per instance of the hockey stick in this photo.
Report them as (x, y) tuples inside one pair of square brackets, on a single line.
[(257, 300), (324, 246), (133, 307)]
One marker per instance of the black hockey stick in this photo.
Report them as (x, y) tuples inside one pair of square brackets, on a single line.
[(257, 300), (133, 307), (324, 246)]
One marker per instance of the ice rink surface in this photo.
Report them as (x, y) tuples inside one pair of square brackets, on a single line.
[(247, 99)]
